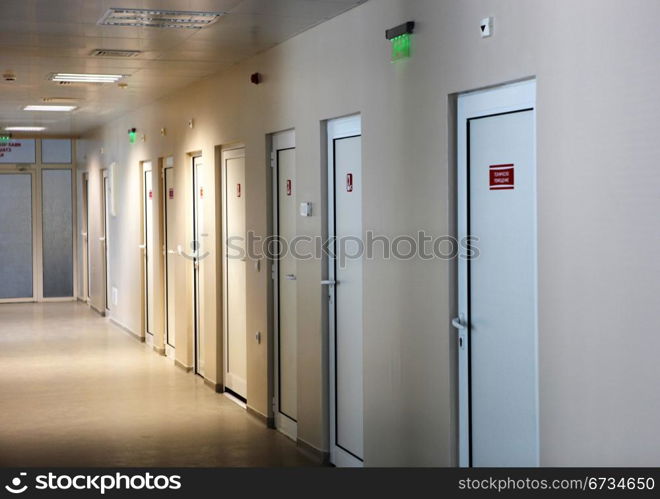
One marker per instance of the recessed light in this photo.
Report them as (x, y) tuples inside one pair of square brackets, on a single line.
[(85, 78), (49, 108), (150, 18), (25, 128)]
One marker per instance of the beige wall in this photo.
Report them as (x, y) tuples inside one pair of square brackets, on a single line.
[(598, 196)]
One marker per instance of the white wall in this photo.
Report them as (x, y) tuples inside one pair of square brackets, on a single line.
[(599, 274)]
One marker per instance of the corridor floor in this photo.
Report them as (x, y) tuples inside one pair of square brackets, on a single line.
[(76, 390)]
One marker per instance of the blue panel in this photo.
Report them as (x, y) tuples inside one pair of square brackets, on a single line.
[(57, 234), (16, 236)]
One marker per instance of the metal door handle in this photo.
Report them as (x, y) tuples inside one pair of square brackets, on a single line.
[(291, 277), (329, 283), (143, 246), (83, 234), (459, 322), (102, 239), (171, 252)]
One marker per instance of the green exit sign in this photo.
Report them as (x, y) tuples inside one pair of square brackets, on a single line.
[(400, 47), (5, 138)]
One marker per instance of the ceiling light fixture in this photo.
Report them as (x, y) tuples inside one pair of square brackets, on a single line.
[(150, 18), (85, 78), (49, 108), (25, 128)]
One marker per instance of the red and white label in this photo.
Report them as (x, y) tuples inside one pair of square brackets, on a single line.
[(502, 177), (238, 190), (349, 182), (151, 194), (171, 193), (289, 187)]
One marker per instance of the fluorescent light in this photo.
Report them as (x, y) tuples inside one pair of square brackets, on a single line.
[(25, 128), (151, 18), (85, 77), (49, 108)]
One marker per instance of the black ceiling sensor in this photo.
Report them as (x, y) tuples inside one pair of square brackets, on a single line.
[(403, 29)]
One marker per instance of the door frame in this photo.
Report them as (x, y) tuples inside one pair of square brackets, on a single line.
[(281, 141), (339, 128), (196, 274), (503, 99), (85, 235), (168, 168), (147, 166), (230, 152), (105, 239)]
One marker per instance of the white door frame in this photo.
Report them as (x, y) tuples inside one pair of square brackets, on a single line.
[(280, 142), (85, 235), (197, 162), (234, 152), (505, 99), (147, 167), (339, 128), (105, 238), (169, 325)]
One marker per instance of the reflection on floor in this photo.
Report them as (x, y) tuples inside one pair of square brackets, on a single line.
[(77, 391)]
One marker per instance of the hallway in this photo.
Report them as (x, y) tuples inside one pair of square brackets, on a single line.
[(75, 390)]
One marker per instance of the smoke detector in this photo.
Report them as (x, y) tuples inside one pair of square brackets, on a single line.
[(151, 18)]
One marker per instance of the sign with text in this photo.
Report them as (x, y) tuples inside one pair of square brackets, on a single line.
[(18, 151), (502, 177)]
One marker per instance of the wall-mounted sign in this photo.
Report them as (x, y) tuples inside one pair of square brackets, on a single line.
[(289, 187), (18, 151), (238, 190), (501, 177), (349, 182), (171, 192)]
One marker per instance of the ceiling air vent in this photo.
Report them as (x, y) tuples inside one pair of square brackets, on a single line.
[(150, 18), (115, 53)]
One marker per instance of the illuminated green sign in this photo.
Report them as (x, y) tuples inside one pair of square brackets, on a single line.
[(400, 47), (132, 135)]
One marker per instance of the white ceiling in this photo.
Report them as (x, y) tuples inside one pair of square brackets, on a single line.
[(39, 37)]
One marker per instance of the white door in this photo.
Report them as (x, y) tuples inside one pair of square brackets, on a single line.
[(105, 239), (235, 337), (283, 160), (497, 324), (345, 292), (199, 255), (148, 248), (170, 254)]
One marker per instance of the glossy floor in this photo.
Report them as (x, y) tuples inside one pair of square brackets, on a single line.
[(76, 390)]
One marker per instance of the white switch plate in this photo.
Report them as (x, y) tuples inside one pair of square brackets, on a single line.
[(486, 27), (305, 209)]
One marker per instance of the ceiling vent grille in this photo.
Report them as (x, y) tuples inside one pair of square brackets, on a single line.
[(115, 53), (150, 18), (55, 100)]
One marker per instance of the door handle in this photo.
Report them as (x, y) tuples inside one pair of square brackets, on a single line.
[(329, 283), (83, 234), (459, 322), (291, 277), (102, 239), (143, 246), (171, 252)]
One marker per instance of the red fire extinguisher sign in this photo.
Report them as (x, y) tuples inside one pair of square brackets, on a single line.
[(349, 182)]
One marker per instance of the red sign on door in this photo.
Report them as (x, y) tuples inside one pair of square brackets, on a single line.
[(349, 182), (238, 190), (171, 192), (288, 187), (151, 194), (502, 177), (201, 193)]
